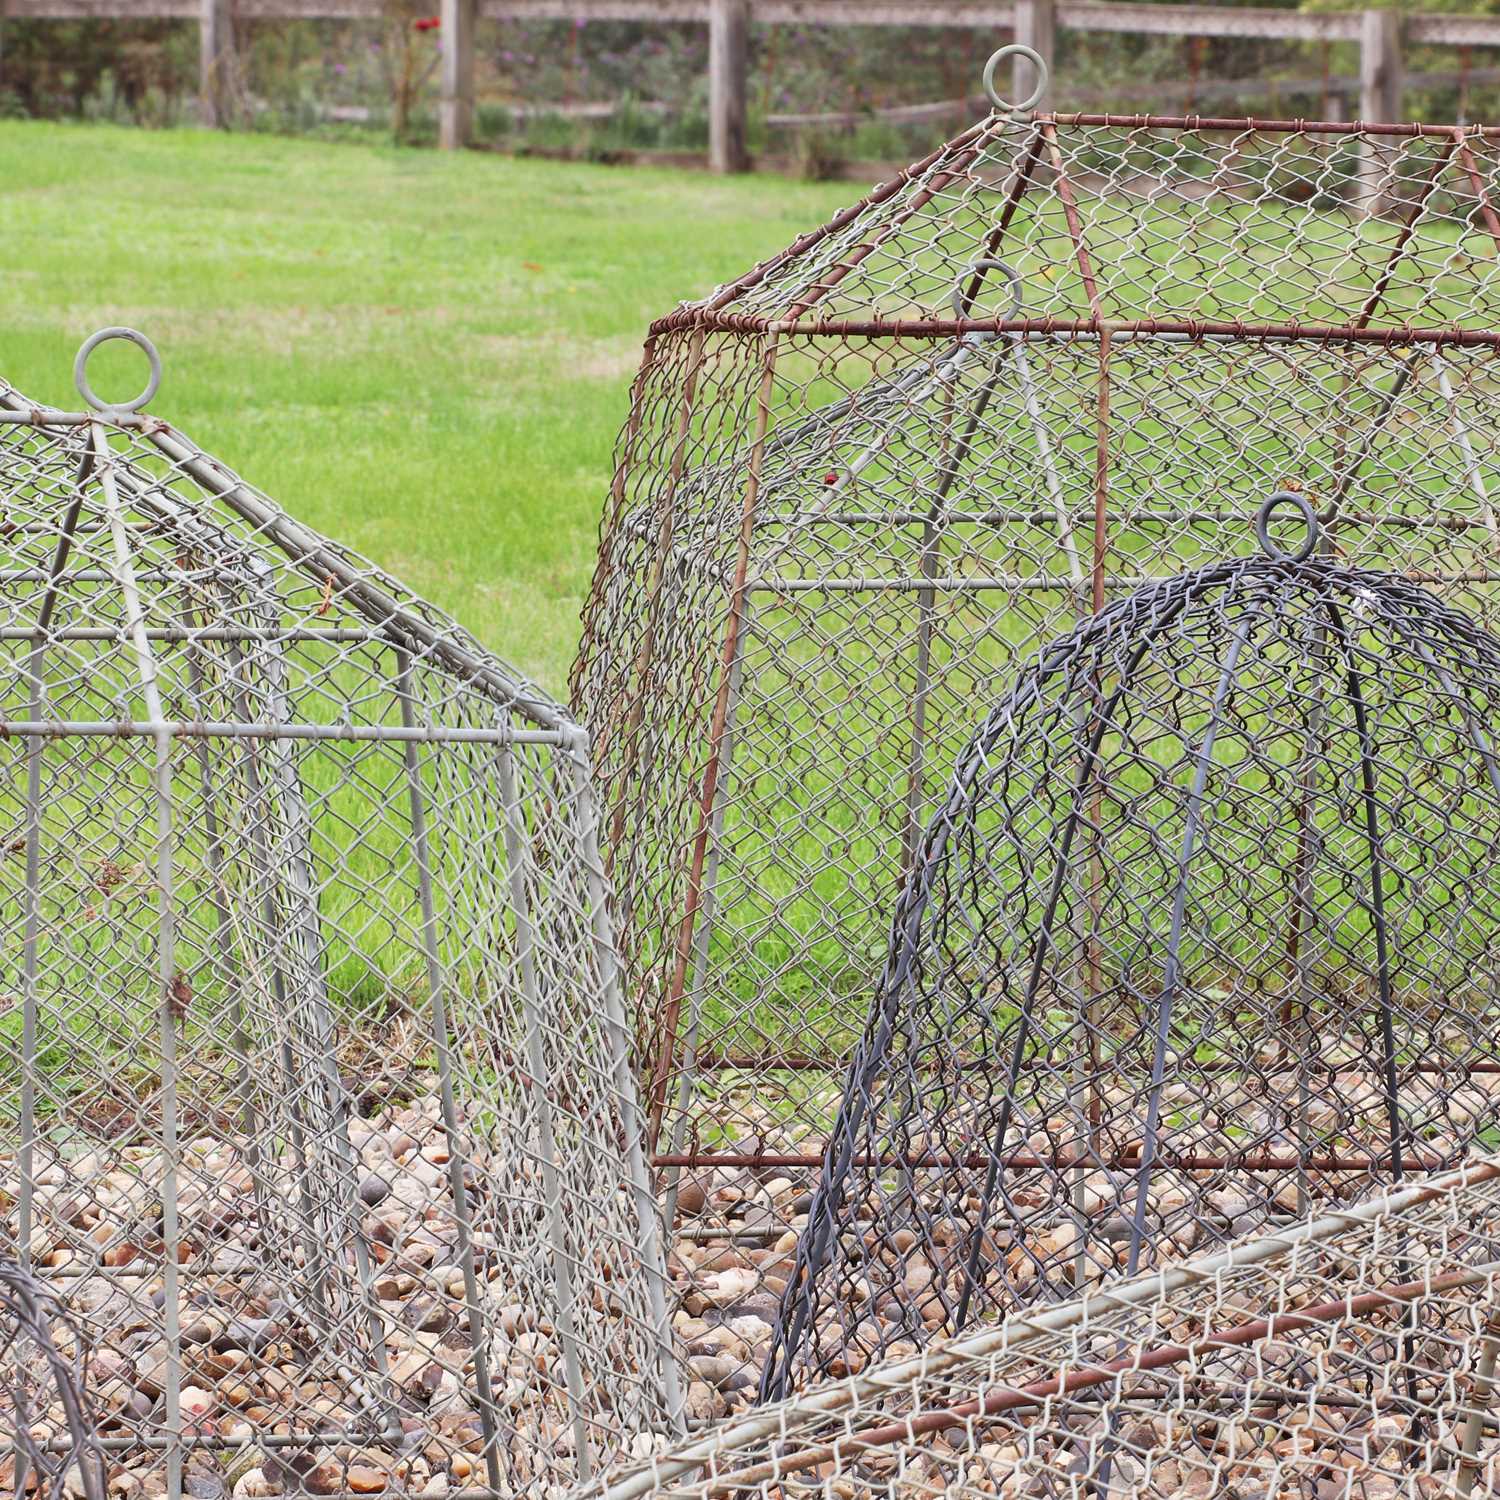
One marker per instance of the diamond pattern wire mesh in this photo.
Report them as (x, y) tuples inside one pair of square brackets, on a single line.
[(1062, 357), (317, 1104), (1347, 1356), (1211, 895)]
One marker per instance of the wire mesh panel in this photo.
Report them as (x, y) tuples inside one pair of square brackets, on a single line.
[(317, 1101), (1350, 1356), (1061, 357), (1204, 931)]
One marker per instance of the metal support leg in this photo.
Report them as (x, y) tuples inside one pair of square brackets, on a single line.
[(438, 986), (702, 936), (161, 777), (518, 859), (632, 1121)]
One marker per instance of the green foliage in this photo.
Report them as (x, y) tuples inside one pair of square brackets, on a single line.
[(821, 155)]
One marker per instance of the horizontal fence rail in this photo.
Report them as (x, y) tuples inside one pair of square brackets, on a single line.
[(1380, 34)]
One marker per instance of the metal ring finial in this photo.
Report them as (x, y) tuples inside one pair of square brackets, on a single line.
[(1269, 506), (80, 369), (988, 263), (1015, 49)]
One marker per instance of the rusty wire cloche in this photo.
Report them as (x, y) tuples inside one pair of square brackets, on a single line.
[(1203, 935), (1062, 358), (317, 1107)]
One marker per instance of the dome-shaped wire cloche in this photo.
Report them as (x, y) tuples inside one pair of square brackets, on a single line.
[(1060, 358), (317, 1103), (1205, 933)]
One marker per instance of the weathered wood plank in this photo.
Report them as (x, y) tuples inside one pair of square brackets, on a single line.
[(1085, 15)]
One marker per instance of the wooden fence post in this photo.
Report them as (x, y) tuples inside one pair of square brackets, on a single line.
[(1380, 66), (1036, 27), (215, 63), (1379, 95), (456, 108), (728, 44)]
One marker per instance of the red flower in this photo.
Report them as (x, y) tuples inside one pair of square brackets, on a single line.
[(426, 23), (830, 478)]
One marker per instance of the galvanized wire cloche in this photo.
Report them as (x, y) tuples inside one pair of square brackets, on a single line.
[(1204, 934), (316, 1103), (1350, 1355)]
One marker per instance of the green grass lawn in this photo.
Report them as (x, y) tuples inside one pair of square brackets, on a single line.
[(425, 356)]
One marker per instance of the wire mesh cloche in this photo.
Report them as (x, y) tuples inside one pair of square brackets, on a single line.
[(49, 1427), (1061, 357), (1350, 1356), (317, 1102), (1205, 933)]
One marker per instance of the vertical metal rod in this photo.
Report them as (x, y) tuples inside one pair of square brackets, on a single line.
[(1090, 1060), (1309, 847), (1472, 471), (1382, 961), (1060, 873), (654, 593), (926, 605), (161, 777), (240, 1039), (264, 868), (666, 1052), (1374, 845), (458, 1156), (606, 955), (518, 862), (703, 937), (1479, 1403), (1172, 970), (296, 873), (1476, 182), (36, 671)]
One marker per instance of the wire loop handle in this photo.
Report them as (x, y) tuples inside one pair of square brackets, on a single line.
[(104, 335), (987, 263), (1015, 49), (1269, 507)]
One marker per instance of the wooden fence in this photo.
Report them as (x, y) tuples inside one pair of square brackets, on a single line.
[(1381, 35)]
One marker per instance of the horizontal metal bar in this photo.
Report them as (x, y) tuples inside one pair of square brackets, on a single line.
[(1191, 329), (183, 633), (962, 585), (45, 416), (1237, 123), (96, 575), (770, 1062), (184, 730), (808, 519), (946, 584), (217, 1442), (1023, 1161)]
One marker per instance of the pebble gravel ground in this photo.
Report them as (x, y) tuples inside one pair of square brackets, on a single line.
[(271, 1406)]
